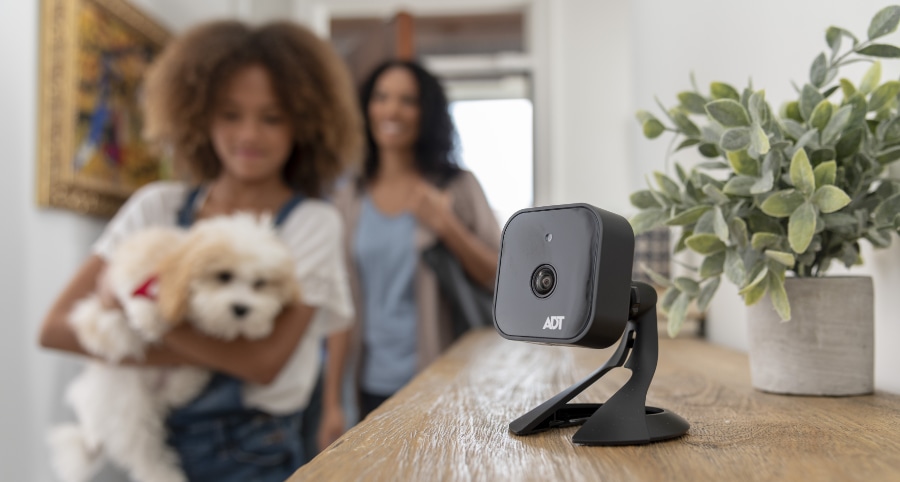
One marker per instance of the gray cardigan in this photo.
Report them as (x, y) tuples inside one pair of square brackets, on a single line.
[(435, 329)]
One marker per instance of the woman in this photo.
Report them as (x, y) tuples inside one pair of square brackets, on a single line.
[(263, 119), (411, 195)]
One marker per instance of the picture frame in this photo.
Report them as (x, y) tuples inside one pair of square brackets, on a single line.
[(91, 155)]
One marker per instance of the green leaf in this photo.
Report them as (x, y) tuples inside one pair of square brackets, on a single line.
[(886, 211), (682, 175), (692, 102), (720, 90), (818, 70), (742, 163), (707, 292), (708, 150), (764, 184), (753, 293), (847, 88), (791, 110), (787, 259), (648, 219), (880, 50), (669, 187), (849, 143), (729, 113), (819, 156), (892, 130), (759, 141), (653, 129), (839, 220), (889, 156), (687, 285), (782, 203), (738, 231), (763, 240), (657, 278), (779, 296), (720, 227), (849, 255), (884, 22), (643, 199), (712, 265), (684, 124), (833, 39), (734, 267), (802, 176), (885, 93), (715, 194), (830, 199), (759, 275), (689, 216), (677, 313), (825, 173), (735, 139), (870, 79), (757, 107), (739, 185), (836, 124), (705, 243), (802, 227), (809, 99), (668, 299), (687, 143), (821, 115)]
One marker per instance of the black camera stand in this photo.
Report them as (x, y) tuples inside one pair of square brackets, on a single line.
[(623, 419)]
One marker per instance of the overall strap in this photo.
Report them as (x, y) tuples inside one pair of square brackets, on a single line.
[(185, 216), (286, 209)]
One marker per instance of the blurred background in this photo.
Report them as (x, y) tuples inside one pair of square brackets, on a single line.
[(543, 94)]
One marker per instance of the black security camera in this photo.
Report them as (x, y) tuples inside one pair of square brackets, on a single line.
[(564, 276)]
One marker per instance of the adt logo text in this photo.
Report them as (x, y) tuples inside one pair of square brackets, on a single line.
[(554, 323)]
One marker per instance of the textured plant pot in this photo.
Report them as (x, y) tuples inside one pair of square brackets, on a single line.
[(827, 348)]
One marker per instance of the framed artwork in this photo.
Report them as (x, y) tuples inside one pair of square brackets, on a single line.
[(91, 155)]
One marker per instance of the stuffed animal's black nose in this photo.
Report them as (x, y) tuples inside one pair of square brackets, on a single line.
[(239, 310)]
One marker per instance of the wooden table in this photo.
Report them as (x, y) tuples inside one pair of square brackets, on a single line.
[(450, 423)]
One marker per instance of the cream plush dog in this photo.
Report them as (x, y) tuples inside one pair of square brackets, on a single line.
[(227, 277)]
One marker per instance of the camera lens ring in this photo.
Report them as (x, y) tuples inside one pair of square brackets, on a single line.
[(543, 281)]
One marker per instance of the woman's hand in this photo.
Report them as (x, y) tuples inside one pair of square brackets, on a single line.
[(432, 207)]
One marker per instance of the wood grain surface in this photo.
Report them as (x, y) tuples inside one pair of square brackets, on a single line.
[(451, 423)]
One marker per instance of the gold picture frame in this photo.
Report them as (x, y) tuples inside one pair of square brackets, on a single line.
[(91, 156)]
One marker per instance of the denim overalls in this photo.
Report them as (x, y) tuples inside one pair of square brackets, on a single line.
[(217, 438)]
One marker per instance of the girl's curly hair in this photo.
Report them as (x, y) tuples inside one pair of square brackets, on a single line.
[(308, 76)]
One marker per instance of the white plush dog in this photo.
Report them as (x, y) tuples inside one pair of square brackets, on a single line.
[(227, 277)]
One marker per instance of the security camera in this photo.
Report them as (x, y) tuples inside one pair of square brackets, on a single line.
[(564, 276)]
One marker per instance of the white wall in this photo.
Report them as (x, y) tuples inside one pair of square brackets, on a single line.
[(774, 42), (598, 62), (38, 251)]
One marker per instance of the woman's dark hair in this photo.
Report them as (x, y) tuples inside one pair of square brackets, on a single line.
[(311, 81), (435, 149)]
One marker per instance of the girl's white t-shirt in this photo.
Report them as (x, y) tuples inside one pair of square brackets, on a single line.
[(313, 232)]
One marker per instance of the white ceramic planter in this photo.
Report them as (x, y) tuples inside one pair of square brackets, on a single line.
[(827, 348)]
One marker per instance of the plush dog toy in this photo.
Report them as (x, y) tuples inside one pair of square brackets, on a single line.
[(227, 277)]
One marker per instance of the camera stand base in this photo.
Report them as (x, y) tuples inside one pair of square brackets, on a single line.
[(623, 419)]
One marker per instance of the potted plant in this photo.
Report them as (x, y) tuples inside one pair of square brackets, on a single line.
[(781, 197)]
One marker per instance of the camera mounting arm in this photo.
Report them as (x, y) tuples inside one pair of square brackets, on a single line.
[(623, 419)]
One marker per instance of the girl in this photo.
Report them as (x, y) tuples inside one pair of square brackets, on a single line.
[(263, 119)]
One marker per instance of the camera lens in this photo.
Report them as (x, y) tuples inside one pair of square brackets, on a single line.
[(543, 281)]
